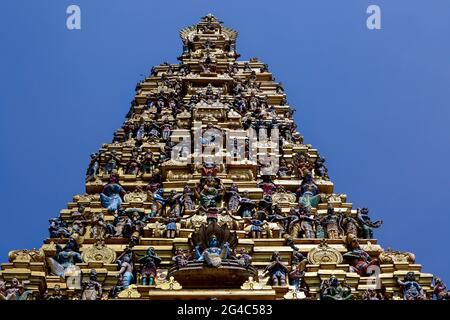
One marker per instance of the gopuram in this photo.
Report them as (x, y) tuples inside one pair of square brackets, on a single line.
[(208, 191)]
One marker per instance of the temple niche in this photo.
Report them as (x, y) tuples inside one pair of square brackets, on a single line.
[(208, 190)]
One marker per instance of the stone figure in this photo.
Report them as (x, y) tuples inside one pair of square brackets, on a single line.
[(91, 289), (150, 263), (412, 290), (333, 289), (277, 270)]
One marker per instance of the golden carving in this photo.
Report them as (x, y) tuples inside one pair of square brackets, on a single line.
[(251, 284), (390, 257), (129, 293), (171, 284), (33, 255), (283, 198), (99, 253), (324, 254), (139, 196)]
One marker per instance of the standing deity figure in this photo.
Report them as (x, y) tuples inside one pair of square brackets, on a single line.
[(234, 198), (267, 185), (412, 290), (171, 225), (308, 192), (148, 162), (349, 224), (366, 224), (111, 197), (297, 277), (93, 168), (360, 261), (112, 163), (333, 289), (150, 263), (187, 199), (244, 258), (98, 226), (122, 226), (301, 222), (320, 169), (277, 270), (440, 290), (92, 289), (210, 195), (166, 129), (133, 166), (126, 267), (331, 223)]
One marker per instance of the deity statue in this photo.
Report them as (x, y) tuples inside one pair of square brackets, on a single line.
[(360, 261), (301, 222), (297, 277), (133, 166), (150, 263), (126, 267), (267, 185), (210, 195), (277, 270), (93, 168), (320, 169), (56, 295), (213, 243), (372, 294), (233, 198), (98, 228), (122, 226), (180, 258), (244, 258), (412, 290), (148, 162), (366, 224), (15, 292), (91, 289), (333, 289), (308, 192), (171, 225), (256, 225), (112, 195), (112, 163), (440, 290), (187, 200), (331, 223), (166, 129), (246, 206), (65, 258), (59, 228), (349, 224)]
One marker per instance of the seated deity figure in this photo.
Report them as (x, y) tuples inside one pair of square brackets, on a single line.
[(150, 263), (113, 192), (333, 289), (122, 225), (65, 258), (412, 290), (246, 206), (214, 253), (308, 193), (59, 228), (360, 261), (91, 289)]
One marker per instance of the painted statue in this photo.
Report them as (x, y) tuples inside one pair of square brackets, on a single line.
[(277, 270), (412, 290), (91, 289), (150, 263), (112, 195), (333, 289)]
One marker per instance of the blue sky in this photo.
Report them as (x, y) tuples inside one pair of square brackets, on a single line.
[(375, 103)]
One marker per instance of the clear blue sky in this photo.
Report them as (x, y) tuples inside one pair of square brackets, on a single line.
[(375, 103)]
